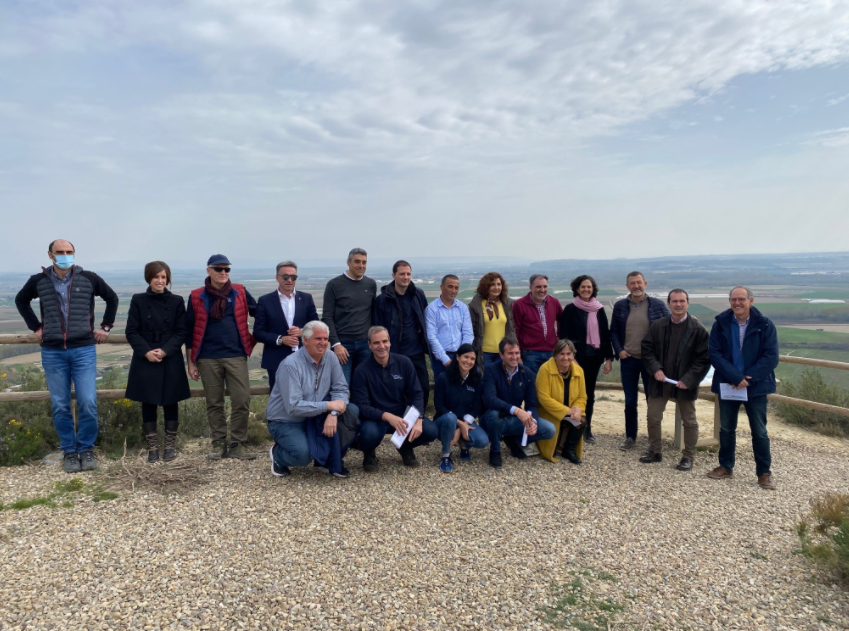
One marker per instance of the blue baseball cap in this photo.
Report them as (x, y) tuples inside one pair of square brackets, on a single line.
[(217, 259)]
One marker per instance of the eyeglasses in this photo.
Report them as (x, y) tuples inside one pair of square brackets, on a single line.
[(288, 276), (733, 300), (221, 269)]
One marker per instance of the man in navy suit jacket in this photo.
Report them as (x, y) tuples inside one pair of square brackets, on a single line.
[(280, 318)]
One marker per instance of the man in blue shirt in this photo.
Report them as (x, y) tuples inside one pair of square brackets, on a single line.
[(449, 325), (507, 386), (384, 387)]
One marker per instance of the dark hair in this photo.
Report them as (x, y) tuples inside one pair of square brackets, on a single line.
[(401, 263), (534, 279), (453, 369), (635, 273), (677, 291), (153, 268), (561, 344), (507, 341), (447, 276), (50, 247), (487, 281), (577, 282)]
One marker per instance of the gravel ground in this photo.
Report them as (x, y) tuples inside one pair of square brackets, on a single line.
[(611, 544)]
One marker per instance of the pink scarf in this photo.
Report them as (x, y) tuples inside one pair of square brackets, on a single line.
[(591, 307)]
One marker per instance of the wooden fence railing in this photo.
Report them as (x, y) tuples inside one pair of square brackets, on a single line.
[(704, 392)]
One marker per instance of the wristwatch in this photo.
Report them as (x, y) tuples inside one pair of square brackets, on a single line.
[(334, 413), (106, 328)]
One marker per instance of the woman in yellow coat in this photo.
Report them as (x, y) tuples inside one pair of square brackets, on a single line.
[(558, 403)]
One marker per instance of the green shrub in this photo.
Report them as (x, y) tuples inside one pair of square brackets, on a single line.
[(826, 540), (812, 387)]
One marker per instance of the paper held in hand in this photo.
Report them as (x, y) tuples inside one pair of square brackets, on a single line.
[(728, 393), (410, 419), (672, 381)]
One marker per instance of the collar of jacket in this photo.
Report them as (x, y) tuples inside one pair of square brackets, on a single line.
[(549, 368), (390, 292), (756, 318)]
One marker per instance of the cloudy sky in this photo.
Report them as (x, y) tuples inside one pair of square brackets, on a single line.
[(267, 129)]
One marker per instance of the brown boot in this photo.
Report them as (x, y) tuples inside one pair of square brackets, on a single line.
[(720, 473), (152, 447), (765, 481)]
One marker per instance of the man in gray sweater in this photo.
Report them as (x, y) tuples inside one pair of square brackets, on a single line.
[(304, 380), (347, 312)]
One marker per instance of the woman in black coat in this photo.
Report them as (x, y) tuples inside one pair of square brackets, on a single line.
[(590, 337), (156, 329)]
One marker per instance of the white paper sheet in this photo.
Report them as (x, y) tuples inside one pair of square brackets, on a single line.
[(410, 418), (728, 393), (524, 438), (672, 381), (574, 422)]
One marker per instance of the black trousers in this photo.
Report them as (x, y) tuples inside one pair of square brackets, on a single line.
[(591, 366), (569, 436), (172, 412), (420, 364)]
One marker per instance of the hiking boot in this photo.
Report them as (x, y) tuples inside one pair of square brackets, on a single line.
[(236, 451), (445, 464), (219, 451), (370, 462), (572, 457), (408, 456), (170, 446), (87, 460), (344, 473), (465, 455), (685, 465), (650, 457), (276, 469), (765, 481), (589, 437), (152, 447), (628, 444), (515, 448), (720, 473), (71, 463), (495, 459)]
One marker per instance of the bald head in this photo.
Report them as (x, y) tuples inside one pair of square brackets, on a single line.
[(60, 246)]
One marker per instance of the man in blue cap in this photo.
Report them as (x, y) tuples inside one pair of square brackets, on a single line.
[(218, 348)]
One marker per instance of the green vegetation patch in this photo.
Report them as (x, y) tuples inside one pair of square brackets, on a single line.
[(824, 535), (576, 607), (811, 386), (65, 493)]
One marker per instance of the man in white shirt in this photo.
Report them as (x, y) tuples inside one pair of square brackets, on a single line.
[(280, 318)]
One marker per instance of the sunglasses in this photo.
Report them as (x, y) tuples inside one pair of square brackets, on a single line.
[(221, 269), (288, 276)]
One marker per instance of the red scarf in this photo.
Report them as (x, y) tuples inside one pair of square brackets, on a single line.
[(220, 295)]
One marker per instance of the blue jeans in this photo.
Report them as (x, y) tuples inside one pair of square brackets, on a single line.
[(61, 367), (534, 359), (358, 352), (291, 447), (490, 358), (497, 427), (437, 366), (372, 433), (631, 370), (756, 410), (447, 424)]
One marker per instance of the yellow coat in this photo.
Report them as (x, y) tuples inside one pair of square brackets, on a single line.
[(551, 407)]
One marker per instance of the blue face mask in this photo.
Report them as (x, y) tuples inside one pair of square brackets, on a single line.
[(64, 261)]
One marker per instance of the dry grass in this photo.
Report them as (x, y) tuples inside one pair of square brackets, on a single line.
[(180, 475)]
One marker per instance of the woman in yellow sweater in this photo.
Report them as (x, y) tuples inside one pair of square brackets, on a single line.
[(562, 395), (491, 311)]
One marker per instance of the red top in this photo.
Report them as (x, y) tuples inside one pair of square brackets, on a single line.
[(530, 331)]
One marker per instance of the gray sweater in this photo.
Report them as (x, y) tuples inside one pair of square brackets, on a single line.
[(298, 395), (348, 308)]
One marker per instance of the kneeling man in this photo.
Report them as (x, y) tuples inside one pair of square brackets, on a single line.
[(506, 387), (309, 383), (675, 353), (383, 388)]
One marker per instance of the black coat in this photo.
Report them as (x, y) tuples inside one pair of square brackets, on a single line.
[(573, 326), (157, 321), (692, 360)]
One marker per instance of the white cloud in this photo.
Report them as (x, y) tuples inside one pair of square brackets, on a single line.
[(832, 137)]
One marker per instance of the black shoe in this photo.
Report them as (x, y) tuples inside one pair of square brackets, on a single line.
[(628, 444), (87, 461), (370, 462), (318, 467), (152, 448), (344, 473), (515, 449), (280, 472), (495, 459), (589, 437), (651, 457), (408, 456), (236, 451), (572, 457), (685, 465), (71, 463), (170, 446), (219, 451)]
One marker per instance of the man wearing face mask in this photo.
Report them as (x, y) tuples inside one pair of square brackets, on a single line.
[(66, 329)]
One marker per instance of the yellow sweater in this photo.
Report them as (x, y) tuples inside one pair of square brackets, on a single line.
[(551, 407), (493, 330)]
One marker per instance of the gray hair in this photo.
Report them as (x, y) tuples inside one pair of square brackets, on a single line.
[(356, 251), (534, 278), (286, 264), (375, 330), (635, 273), (749, 293), (315, 325), (563, 344)]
